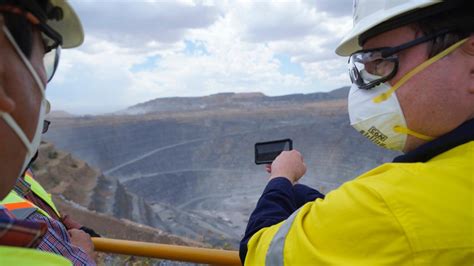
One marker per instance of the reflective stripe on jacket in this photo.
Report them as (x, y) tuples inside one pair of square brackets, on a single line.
[(395, 214), (15, 204), (19, 205), (27, 257), (38, 189)]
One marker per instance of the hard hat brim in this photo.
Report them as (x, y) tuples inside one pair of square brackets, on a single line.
[(69, 27), (350, 43)]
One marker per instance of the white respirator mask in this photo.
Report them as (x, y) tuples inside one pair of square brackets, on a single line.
[(31, 147), (376, 113)]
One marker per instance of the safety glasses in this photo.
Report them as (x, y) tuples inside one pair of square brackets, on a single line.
[(52, 43), (380, 62), (52, 40)]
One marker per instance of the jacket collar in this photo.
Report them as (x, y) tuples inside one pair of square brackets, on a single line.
[(425, 152)]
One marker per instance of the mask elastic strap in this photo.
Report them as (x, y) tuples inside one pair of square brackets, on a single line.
[(7, 117), (24, 59), (384, 96), (48, 107), (13, 125), (407, 131)]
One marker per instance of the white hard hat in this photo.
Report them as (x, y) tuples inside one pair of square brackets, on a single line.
[(69, 26), (370, 13)]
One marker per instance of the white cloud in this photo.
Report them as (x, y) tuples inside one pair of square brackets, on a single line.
[(203, 48), (267, 21), (133, 23), (336, 8)]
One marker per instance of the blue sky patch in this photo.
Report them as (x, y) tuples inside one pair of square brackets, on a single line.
[(288, 67), (195, 48), (150, 63)]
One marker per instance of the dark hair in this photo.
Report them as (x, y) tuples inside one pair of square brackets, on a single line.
[(20, 28), (443, 21)]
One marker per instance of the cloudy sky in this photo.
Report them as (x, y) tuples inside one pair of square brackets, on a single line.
[(138, 50)]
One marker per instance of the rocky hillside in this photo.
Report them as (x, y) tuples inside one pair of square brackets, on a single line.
[(192, 159), (96, 201), (102, 203)]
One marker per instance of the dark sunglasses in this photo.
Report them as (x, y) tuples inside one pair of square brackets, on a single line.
[(52, 40)]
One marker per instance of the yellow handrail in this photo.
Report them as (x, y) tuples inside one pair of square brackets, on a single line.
[(168, 252)]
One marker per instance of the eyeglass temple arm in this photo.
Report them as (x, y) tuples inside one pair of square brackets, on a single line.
[(393, 50)]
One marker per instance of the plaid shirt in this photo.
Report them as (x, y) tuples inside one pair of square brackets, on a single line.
[(56, 240), (20, 233), (42, 233)]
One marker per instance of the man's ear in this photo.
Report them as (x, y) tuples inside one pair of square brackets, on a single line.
[(468, 49), (468, 46)]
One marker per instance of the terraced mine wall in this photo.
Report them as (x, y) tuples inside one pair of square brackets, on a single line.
[(76, 181), (192, 162)]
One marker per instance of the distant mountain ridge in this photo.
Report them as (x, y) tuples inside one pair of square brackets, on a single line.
[(255, 100)]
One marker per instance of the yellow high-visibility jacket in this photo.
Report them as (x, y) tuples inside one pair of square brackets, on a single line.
[(38, 189), (395, 214), (19, 256), (16, 202), (30, 257)]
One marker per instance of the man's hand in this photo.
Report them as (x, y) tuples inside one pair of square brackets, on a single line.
[(288, 164), (69, 222), (81, 239)]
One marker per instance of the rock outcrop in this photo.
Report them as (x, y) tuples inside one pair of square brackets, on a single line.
[(74, 180)]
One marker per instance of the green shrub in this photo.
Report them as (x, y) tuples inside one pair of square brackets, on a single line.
[(53, 155)]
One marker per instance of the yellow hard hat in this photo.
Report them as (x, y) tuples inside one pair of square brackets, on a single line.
[(58, 15), (69, 26)]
